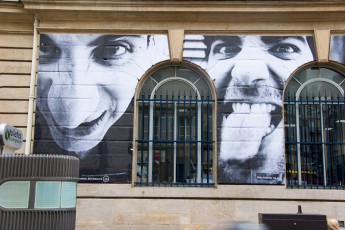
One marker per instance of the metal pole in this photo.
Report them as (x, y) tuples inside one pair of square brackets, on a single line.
[(32, 89)]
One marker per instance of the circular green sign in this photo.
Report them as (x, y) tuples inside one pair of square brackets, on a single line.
[(7, 135)]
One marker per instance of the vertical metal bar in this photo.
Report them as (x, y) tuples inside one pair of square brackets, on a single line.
[(142, 138), (329, 166), (331, 138), (295, 138), (178, 136), (308, 154), (173, 135), (305, 142), (151, 137), (160, 137), (154, 137), (200, 130), (288, 139), (334, 143), (298, 127), (174, 126), (302, 140), (341, 144), (202, 138), (316, 141), (208, 139), (166, 137), (184, 137), (287, 146), (191, 162), (197, 138), (324, 172)]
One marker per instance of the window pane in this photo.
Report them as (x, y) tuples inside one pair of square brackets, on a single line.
[(290, 92), (176, 88), (14, 194), (68, 194), (320, 88), (332, 75), (142, 163), (48, 194), (307, 75)]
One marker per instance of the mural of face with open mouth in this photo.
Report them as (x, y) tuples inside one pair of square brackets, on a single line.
[(249, 73), (86, 82)]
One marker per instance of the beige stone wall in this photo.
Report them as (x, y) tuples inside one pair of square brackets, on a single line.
[(16, 35), (126, 207), (185, 213)]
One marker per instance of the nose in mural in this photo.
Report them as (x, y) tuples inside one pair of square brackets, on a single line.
[(74, 104)]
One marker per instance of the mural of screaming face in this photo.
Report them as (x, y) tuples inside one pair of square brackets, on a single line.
[(249, 74)]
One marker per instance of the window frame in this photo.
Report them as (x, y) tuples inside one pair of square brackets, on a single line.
[(325, 153), (211, 88)]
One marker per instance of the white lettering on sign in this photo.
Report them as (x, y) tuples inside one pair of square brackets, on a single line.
[(10, 137)]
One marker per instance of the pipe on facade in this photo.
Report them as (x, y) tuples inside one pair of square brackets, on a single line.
[(32, 89)]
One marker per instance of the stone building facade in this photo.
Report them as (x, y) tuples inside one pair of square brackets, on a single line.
[(180, 110)]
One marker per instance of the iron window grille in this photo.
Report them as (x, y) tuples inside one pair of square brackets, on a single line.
[(174, 145), (314, 129)]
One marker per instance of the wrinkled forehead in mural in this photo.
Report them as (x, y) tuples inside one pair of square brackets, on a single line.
[(86, 83), (249, 73)]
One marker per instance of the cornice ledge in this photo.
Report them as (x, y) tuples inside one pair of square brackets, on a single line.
[(15, 8), (186, 6)]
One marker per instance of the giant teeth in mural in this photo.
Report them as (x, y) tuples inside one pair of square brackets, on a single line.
[(248, 122), (248, 109)]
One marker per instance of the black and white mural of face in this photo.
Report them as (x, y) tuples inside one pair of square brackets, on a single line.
[(87, 81), (249, 73)]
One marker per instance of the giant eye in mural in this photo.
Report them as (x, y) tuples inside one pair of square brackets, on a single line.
[(249, 73), (86, 84)]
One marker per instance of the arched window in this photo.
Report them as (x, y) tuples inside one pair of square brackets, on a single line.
[(175, 120), (314, 118)]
